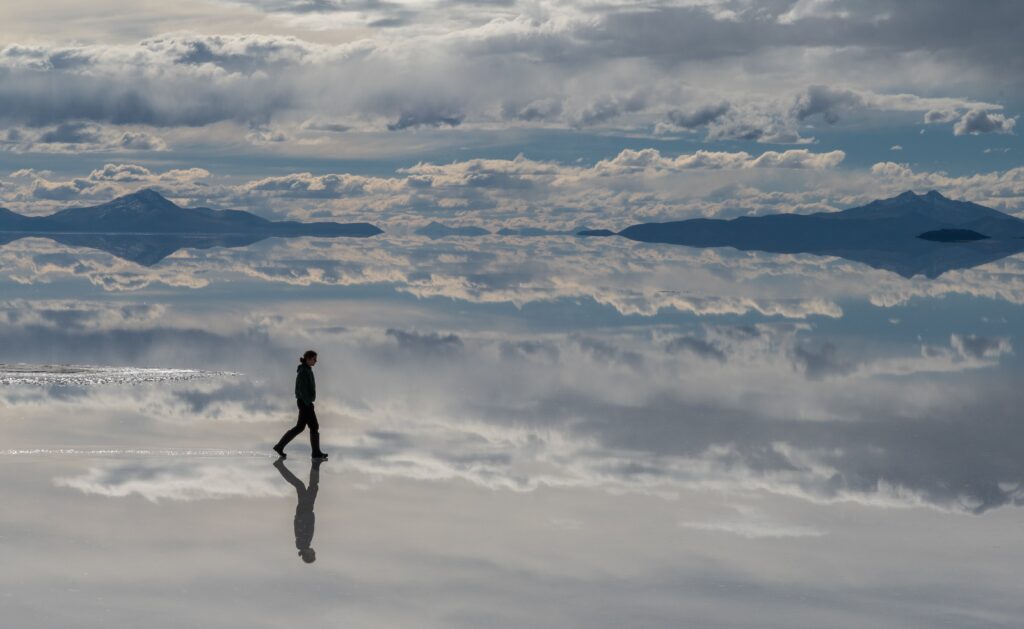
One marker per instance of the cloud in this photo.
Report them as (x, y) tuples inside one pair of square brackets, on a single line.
[(824, 101), (604, 352), (980, 347), (517, 349), (651, 159), (615, 411), (977, 121), (428, 115), (538, 110), (162, 82), (698, 117), (80, 137), (606, 108), (70, 133), (697, 346), (326, 126), (426, 343), (113, 179), (751, 523), (178, 481), (306, 185), (934, 116), (820, 363), (569, 65), (999, 189), (79, 315)]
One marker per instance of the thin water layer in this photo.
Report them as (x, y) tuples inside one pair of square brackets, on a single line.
[(86, 375), (547, 432)]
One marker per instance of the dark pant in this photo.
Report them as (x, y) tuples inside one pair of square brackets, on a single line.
[(307, 417)]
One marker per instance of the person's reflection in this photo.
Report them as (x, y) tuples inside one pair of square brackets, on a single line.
[(304, 517)]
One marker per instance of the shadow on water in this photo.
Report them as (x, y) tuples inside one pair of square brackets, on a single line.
[(305, 519)]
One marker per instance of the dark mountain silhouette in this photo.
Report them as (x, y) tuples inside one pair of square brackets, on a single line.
[(883, 234), (10, 220), (600, 233), (437, 230), (145, 227)]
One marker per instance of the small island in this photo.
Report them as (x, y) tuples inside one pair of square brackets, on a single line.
[(952, 235)]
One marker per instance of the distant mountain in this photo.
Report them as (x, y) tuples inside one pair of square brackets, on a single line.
[(439, 230), (145, 227), (148, 212), (884, 234), (12, 221)]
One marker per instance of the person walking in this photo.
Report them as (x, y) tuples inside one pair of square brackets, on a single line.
[(305, 395)]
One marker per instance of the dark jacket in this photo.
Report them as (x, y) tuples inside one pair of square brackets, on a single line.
[(305, 384)]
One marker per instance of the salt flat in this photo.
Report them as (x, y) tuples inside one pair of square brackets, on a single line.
[(724, 440)]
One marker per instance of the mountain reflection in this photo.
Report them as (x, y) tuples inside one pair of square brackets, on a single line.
[(909, 234), (144, 249), (909, 259)]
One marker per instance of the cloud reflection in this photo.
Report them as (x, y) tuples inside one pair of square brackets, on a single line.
[(174, 480)]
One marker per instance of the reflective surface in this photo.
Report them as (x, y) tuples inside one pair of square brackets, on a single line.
[(545, 431)]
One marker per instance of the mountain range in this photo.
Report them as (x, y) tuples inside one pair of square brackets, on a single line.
[(146, 227), (910, 234)]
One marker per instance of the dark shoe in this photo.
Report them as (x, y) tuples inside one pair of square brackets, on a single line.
[(321, 456), (280, 451)]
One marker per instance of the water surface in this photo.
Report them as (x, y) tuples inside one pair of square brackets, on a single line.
[(544, 431)]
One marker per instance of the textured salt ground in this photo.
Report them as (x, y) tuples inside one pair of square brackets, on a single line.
[(90, 375)]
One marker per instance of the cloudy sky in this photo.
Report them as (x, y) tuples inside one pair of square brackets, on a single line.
[(525, 431), (507, 113)]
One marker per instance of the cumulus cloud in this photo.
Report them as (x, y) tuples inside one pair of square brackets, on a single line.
[(606, 108), (978, 121), (560, 64), (537, 110), (103, 183), (80, 137), (698, 117), (307, 185), (824, 101), (651, 159), (934, 116)]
